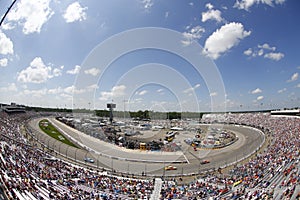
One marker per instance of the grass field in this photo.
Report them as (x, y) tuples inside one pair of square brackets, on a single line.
[(49, 129)]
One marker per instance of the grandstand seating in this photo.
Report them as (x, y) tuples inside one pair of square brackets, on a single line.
[(273, 173)]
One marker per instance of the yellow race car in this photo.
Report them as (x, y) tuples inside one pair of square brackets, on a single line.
[(170, 167)]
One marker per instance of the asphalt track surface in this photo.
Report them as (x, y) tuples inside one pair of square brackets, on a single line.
[(187, 161)]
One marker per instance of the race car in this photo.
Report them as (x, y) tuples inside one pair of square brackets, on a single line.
[(170, 167), (203, 162), (89, 160)]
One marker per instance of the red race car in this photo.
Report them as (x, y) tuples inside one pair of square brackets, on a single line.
[(204, 162)]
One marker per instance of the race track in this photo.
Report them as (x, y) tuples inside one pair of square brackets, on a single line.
[(139, 162)]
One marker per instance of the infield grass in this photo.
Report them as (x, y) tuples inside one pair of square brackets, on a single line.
[(49, 129)]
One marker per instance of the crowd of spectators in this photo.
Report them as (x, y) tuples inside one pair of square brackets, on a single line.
[(26, 171), (272, 174)]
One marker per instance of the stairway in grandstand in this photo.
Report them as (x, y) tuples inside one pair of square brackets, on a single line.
[(157, 188)]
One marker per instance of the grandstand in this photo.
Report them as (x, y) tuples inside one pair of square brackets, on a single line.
[(287, 112), (13, 108), (28, 173)]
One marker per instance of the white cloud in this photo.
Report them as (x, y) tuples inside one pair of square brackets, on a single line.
[(194, 33), (7, 26), (212, 94), (248, 52), (69, 90), (266, 51), (188, 90), (6, 45), (267, 46), (225, 7), (256, 91), (36, 93), (160, 90), (37, 72), (225, 38), (260, 52), (93, 71), (72, 89), (246, 4), (55, 90), (211, 14), (197, 86), (136, 100), (294, 77), (282, 90), (167, 14), (260, 98), (298, 86), (92, 87), (3, 62), (11, 87), (274, 56), (66, 96), (75, 70), (116, 91), (57, 72), (32, 15), (147, 4), (75, 12), (209, 6), (141, 93)]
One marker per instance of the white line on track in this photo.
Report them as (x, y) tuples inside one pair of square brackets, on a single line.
[(186, 158)]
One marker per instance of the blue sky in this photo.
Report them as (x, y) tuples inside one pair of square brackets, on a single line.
[(51, 54)]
